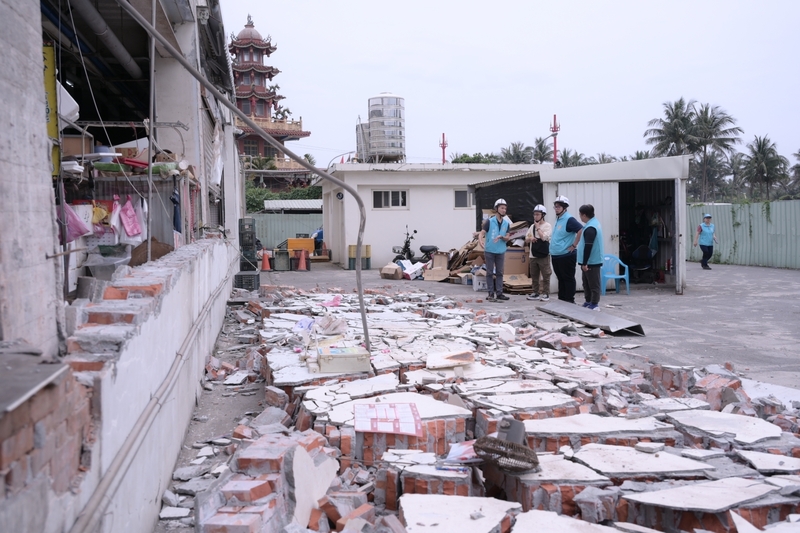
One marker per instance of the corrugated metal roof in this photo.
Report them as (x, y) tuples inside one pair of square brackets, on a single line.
[(292, 205), (507, 178)]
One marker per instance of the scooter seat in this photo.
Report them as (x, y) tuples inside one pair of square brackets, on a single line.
[(428, 249)]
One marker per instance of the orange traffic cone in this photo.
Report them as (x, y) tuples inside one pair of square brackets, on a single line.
[(265, 262), (301, 261)]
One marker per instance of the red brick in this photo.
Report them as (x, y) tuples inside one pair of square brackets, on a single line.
[(78, 365), (246, 490), (315, 519), (420, 486), (12, 422), (449, 488), (462, 489), (16, 446), (366, 511), (312, 441), (329, 509), (108, 317), (143, 290), (232, 523), (113, 293)]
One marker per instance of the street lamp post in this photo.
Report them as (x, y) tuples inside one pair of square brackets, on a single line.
[(553, 135)]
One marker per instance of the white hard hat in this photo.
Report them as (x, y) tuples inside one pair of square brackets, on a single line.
[(542, 209), (499, 201), (562, 200)]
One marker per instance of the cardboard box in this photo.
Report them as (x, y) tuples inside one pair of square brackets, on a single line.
[(347, 359), (392, 271), (516, 262), (440, 260), (479, 283), (465, 277), (435, 274)]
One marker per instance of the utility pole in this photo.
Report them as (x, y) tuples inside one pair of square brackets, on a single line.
[(443, 146), (554, 129)]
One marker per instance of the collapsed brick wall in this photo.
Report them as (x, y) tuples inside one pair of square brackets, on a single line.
[(50, 434)]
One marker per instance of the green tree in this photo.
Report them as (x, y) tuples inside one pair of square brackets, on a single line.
[(542, 151), (736, 184), (310, 158), (474, 159), (572, 158), (764, 165), (713, 130), (673, 134), (603, 158), (516, 153), (640, 154)]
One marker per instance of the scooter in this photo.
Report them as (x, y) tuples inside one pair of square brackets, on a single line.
[(406, 253)]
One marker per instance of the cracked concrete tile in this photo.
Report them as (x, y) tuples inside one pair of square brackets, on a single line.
[(745, 429), (489, 387), (525, 401), (588, 424), (436, 513), (769, 463), (550, 522), (708, 497), (665, 405), (624, 461), (557, 468), (427, 407), (474, 371)]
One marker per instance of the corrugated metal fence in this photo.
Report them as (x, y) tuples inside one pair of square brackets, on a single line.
[(274, 228), (758, 234)]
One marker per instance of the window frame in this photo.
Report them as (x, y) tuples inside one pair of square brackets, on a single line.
[(403, 196), (470, 199)]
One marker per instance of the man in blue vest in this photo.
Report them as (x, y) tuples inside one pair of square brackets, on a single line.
[(493, 238), (563, 243), (590, 256)]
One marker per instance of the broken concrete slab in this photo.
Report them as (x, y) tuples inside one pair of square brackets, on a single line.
[(603, 320), (308, 480), (626, 462), (667, 405), (743, 429), (585, 424), (770, 463), (173, 513), (491, 387), (557, 469), (707, 497), (533, 401), (435, 513), (450, 359), (474, 371), (702, 455), (550, 522), (427, 407)]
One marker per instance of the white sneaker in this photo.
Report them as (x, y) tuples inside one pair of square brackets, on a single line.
[(544, 298), (534, 296)]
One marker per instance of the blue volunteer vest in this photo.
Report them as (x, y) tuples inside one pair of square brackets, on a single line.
[(496, 229), (706, 235), (561, 238), (596, 255)]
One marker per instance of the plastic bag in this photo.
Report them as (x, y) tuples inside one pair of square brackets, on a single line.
[(72, 226), (130, 222), (113, 220), (99, 213), (141, 215)]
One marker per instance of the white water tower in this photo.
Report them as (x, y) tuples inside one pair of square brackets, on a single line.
[(387, 129)]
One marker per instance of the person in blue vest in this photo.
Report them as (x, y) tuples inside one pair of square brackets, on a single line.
[(706, 237), (563, 243), (590, 256), (493, 238)]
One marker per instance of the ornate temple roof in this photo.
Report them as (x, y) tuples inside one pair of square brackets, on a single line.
[(249, 37)]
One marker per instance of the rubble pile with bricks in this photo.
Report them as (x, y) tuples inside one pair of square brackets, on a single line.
[(621, 442)]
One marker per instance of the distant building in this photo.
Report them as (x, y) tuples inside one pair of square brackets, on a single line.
[(261, 103)]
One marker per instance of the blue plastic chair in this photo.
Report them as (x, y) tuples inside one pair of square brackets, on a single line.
[(609, 271)]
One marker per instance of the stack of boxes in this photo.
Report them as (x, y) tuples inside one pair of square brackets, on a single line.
[(248, 277)]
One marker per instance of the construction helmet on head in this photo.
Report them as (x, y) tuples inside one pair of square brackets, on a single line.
[(499, 201), (563, 200), (540, 208)]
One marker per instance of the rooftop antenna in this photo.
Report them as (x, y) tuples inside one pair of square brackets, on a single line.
[(443, 146)]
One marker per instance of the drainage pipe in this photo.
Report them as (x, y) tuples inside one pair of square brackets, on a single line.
[(99, 26), (90, 515), (270, 140)]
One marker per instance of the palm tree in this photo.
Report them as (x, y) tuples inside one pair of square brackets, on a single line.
[(517, 153), (571, 158), (542, 152), (715, 131), (310, 158), (672, 135), (603, 157), (640, 154), (735, 168), (763, 164)]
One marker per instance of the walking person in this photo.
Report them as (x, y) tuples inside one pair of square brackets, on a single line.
[(493, 238), (563, 243), (538, 238), (706, 237), (590, 256)]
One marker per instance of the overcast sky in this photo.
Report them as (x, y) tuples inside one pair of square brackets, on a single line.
[(488, 73)]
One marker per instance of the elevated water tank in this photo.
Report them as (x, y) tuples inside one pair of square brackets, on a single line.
[(387, 135)]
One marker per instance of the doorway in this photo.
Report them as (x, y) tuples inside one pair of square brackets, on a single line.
[(647, 230)]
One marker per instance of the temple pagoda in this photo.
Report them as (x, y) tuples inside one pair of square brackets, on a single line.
[(258, 99)]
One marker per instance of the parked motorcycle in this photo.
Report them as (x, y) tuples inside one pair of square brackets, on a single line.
[(406, 253)]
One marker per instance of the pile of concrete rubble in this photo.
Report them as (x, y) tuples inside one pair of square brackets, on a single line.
[(382, 444)]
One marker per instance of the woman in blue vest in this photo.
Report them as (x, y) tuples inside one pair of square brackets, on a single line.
[(493, 238), (590, 256), (566, 231), (706, 237)]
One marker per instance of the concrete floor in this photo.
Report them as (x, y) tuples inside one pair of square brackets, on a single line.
[(749, 316)]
